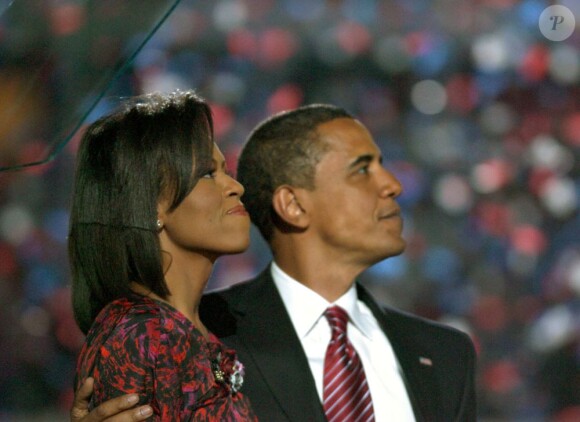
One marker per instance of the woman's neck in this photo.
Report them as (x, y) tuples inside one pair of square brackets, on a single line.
[(186, 282)]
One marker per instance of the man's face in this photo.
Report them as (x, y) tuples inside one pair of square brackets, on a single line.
[(353, 208)]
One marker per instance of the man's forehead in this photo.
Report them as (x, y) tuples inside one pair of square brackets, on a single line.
[(347, 137)]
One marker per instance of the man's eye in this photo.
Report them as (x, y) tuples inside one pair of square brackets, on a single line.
[(363, 170)]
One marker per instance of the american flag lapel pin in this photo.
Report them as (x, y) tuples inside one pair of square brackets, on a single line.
[(425, 361)]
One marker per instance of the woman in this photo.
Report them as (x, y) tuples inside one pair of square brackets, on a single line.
[(153, 208)]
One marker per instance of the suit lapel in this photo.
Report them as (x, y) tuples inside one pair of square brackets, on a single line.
[(265, 328), (417, 368)]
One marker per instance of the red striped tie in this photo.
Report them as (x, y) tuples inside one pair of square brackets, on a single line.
[(346, 393)]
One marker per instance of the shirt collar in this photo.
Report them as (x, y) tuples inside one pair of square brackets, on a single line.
[(306, 307)]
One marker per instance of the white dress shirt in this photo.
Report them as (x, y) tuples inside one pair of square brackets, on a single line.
[(306, 308)]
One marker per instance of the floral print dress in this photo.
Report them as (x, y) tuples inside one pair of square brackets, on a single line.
[(144, 346)]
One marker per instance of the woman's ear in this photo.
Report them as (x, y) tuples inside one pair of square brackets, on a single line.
[(162, 207), (288, 204)]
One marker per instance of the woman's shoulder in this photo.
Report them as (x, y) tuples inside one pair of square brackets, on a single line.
[(129, 308), (150, 323), (127, 329), (132, 316)]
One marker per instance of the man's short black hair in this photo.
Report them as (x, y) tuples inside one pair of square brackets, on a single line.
[(283, 149)]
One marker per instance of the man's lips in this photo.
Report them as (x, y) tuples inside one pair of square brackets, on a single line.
[(396, 212), (238, 210)]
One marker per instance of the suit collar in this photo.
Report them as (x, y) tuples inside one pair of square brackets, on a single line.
[(416, 367), (305, 306), (268, 334)]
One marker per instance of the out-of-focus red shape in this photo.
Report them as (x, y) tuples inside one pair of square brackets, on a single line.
[(493, 175), (502, 377), (494, 218), (8, 260), (490, 313), (223, 119), (568, 414), (66, 19), (276, 46), (286, 97), (242, 43), (538, 178), (535, 63), (462, 94), (533, 124), (528, 240), (571, 129), (353, 38), (417, 43)]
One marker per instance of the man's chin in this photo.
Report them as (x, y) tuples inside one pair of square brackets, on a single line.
[(401, 249), (393, 249), (384, 253)]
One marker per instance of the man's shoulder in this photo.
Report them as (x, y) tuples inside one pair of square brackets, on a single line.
[(423, 324), (220, 309), (235, 292), (414, 327)]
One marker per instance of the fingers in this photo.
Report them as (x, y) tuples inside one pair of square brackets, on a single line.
[(83, 394), (118, 409), (80, 406)]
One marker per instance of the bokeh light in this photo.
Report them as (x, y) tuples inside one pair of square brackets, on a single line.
[(560, 196), (453, 194), (429, 97)]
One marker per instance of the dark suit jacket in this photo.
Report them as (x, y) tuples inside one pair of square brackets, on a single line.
[(437, 361)]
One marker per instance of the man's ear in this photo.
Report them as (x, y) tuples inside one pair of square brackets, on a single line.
[(288, 203)]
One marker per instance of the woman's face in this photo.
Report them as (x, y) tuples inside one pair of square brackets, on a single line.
[(211, 220)]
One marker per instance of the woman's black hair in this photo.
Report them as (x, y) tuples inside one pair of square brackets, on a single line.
[(156, 147)]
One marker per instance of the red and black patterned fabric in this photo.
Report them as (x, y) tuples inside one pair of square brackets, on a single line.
[(140, 345)]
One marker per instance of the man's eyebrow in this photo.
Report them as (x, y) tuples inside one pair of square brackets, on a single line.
[(365, 158)]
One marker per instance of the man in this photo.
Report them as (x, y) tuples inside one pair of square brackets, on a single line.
[(317, 191)]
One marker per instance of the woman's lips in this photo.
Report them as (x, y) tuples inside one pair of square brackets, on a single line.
[(239, 210)]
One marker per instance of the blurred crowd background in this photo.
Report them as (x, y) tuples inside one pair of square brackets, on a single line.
[(474, 109)]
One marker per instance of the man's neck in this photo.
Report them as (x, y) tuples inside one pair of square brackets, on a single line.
[(329, 277)]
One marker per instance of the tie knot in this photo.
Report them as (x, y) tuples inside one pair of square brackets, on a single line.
[(337, 318)]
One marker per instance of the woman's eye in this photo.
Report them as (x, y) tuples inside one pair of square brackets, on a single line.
[(363, 170), (210, 174)]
